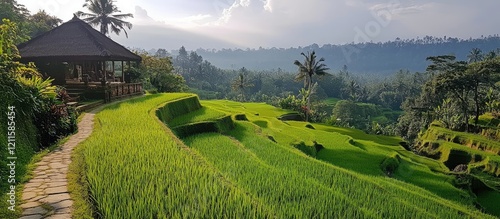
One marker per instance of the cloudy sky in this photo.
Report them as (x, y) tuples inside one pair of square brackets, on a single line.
[(288, 23)]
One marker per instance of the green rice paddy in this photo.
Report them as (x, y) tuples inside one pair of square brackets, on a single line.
[(137, 168)]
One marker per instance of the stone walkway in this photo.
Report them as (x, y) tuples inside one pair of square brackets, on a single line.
[(46, 194)]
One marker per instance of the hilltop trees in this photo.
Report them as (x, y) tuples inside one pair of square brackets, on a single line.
[(482, 77), (454, 91), (103, 13), (158, 72), (43, 22), (28, 26)]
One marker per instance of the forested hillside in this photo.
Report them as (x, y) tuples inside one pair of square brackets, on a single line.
[(372, 58)]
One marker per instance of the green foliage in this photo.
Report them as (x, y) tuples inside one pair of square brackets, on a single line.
[(292, 103), (12, 11), (306, 71), (8, 49), (435, 133), (488, 200), (297, 104), (42, 22), (241, 83), (158, 73), (390, 164), (38, 122), (359, 115), (27, 143), (455, 91), (43, 86), (134, 75), (308, 149)]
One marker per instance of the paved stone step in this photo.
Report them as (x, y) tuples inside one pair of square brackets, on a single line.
[(48, 190)]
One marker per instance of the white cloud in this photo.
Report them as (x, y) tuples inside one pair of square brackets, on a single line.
[(285, 23), (268, 6)]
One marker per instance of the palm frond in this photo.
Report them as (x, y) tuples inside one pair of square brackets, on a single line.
[(103, 13), (122, 16)]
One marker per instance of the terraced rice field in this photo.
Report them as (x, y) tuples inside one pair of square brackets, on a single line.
[(137, 168)]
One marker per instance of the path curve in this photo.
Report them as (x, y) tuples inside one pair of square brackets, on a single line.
[(46, 194)]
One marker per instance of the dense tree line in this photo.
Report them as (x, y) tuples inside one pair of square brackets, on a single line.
[(382, 58), (448, 90), (455, 93), (206, 79), (29, 25)]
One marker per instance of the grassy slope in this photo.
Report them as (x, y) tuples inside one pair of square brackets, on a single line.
[(260, 149), (143, 171), (364, 156)]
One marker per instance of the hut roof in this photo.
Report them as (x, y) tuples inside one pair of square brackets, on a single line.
[(74, 40)]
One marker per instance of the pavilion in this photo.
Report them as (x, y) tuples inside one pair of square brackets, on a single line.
[(83, 60)]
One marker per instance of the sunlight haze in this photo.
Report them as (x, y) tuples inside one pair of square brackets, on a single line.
[(288, 23)]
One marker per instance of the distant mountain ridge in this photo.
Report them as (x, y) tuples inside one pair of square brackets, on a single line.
[(368, 58)]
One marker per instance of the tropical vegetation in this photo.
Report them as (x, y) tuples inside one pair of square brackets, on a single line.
[(106, 15), (189, 177), (40, 117), (343, 145)]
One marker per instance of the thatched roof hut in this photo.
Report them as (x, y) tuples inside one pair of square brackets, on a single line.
[(74, 40)]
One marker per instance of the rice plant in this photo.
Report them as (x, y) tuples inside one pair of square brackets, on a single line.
[(137, 168)]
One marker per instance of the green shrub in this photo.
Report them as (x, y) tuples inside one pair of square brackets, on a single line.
[(38, 123), (390, 164), (292, 103), (310, 150), (309, 126), (241, 117)]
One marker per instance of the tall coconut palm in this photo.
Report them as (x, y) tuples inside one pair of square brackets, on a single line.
[(103, 13), (240, 84), (475, 55), (307, 70)]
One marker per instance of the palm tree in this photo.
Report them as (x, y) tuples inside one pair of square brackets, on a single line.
[(353, 90), (491, 55), (102, 12), (240, 84), (475, 55), (307, 70)]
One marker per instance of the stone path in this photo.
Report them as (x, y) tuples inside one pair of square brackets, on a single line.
[(46, 194)]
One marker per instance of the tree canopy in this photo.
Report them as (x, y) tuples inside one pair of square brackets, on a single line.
[(106, 15)]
